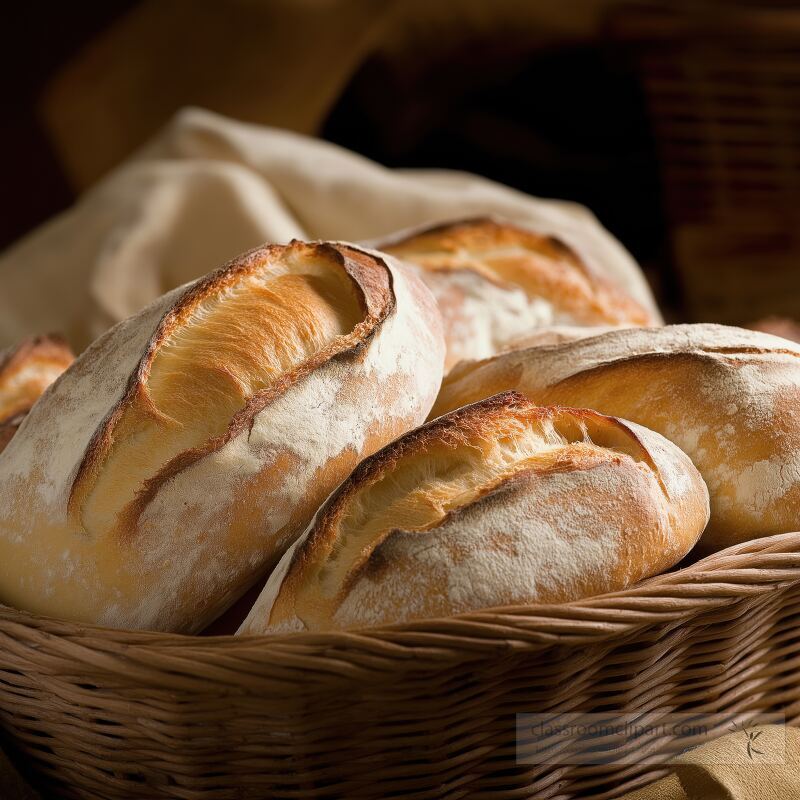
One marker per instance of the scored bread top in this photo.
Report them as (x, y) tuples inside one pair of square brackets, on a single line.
[(188, 447), (226, 349), (728, 397), (510, 256), (499, 502)]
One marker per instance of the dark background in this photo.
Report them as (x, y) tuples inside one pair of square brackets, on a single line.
[(38, 37), (677, 124)]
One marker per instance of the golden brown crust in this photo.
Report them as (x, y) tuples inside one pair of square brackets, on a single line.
[(451, 430), (465, 244), (378, 300), (26, 370), (471, 381), (191, 444), (654, 489), (488, 498), (47, 347), (728, 397)]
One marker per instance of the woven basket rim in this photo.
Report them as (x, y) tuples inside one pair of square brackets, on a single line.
[(745, 569)]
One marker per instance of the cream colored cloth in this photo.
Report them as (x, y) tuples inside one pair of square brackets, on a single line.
[(735, 767), (208, 188)]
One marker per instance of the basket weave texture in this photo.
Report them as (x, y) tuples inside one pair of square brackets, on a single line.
[(421, 710)]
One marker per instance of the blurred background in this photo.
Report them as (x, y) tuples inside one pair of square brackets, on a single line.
[(677, 123)]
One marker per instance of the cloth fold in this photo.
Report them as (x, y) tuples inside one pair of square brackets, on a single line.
[(762, 763), (208, 188)]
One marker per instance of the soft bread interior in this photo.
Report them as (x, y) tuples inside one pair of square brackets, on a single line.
[(418, 489), (232, 346)]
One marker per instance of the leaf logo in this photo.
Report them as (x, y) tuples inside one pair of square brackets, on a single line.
[(751, 735)]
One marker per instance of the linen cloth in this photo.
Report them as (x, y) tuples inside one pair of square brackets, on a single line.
[(208, 187), (727, 769)]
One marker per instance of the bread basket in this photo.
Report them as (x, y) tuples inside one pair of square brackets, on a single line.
[(419, 710)]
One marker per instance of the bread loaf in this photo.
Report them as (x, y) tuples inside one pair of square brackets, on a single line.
[(558, 334), (495, 281), (498, 503), (187, 447), (730, 398), (26, 370)]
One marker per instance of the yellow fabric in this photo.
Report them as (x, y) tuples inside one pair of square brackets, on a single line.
[(723, 768), (208, 188), (762, 763)]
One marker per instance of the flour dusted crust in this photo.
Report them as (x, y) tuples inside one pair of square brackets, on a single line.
[(498, 503), (26, 370), (558, 334), (495, 281), (181, 454), (728, 397)]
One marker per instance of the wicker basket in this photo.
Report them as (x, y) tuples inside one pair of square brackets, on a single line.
[(422, 710)]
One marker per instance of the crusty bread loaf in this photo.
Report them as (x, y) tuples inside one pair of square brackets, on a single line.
[(187, 447), (558, 334), (730, 398), (498, 503), (495, 281), (26, 370)]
